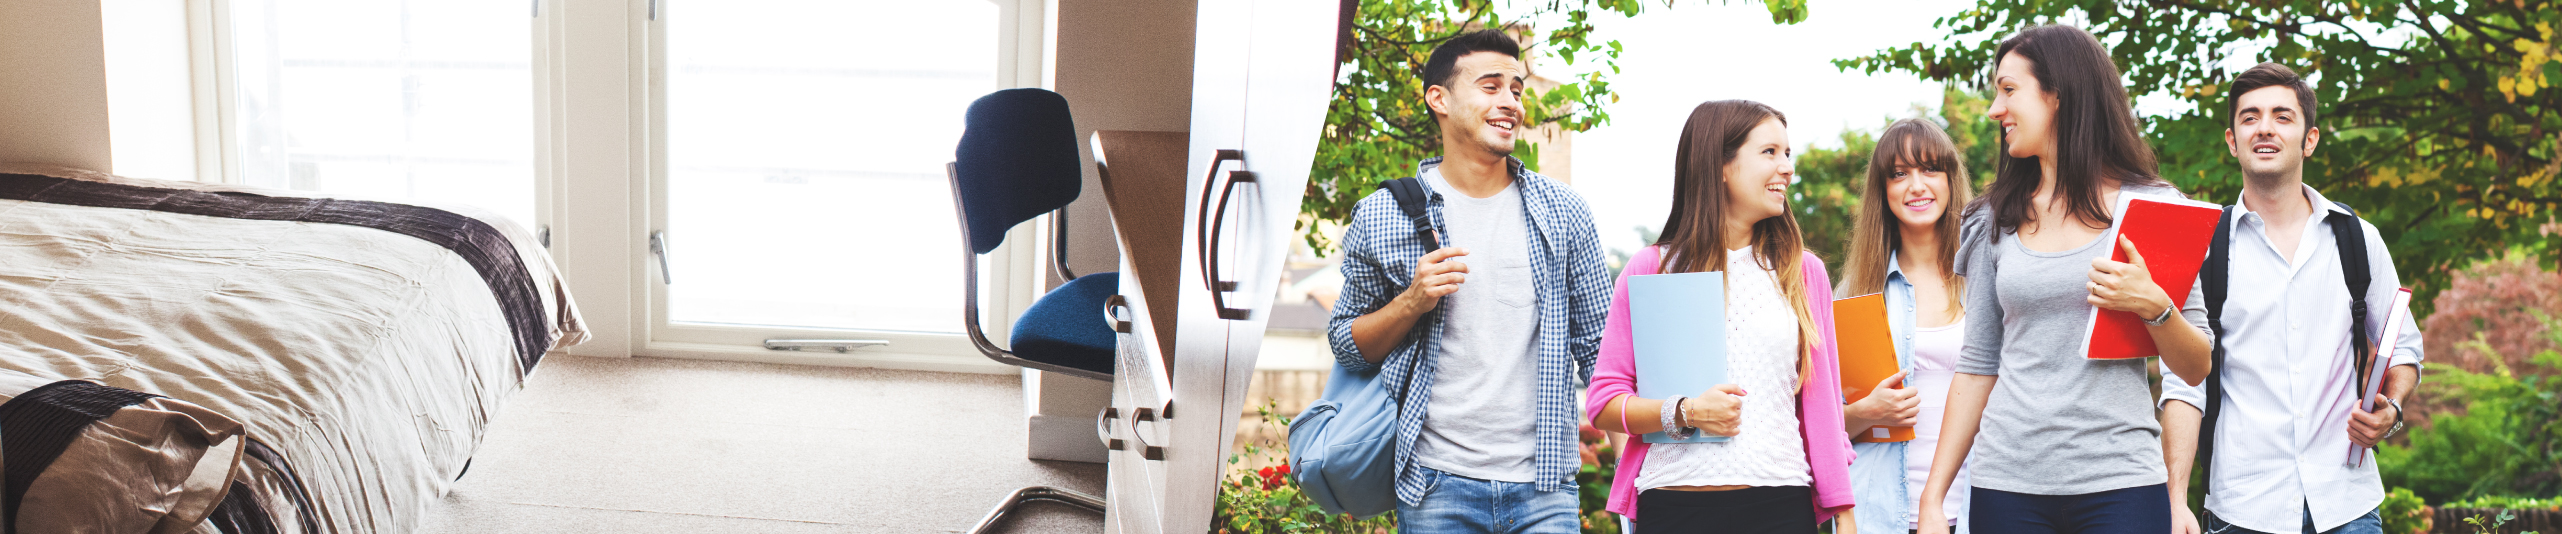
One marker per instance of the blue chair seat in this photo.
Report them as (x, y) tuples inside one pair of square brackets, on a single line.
[(1067, 326)]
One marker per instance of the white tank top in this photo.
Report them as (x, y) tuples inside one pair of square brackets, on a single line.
[(1934, 364)]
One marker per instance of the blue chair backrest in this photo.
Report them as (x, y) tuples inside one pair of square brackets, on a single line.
[(1017, 160)]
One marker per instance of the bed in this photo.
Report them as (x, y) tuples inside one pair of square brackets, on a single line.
[(282, 363)]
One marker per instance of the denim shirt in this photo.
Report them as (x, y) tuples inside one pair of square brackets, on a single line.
[(1877, 475)]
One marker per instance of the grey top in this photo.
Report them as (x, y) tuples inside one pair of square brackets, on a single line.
[(1479, 423), (2056, 423)]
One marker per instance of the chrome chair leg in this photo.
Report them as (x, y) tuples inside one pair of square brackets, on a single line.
[(1037, 493)]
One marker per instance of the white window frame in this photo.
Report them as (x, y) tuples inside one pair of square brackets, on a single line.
[(599, 128), (1011, 276), (217, 106)]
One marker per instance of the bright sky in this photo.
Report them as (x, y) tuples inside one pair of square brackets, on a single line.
[(1694, 52)]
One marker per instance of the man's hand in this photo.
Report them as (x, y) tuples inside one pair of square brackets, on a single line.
[(1435, 276), (1718, 411), (2128, 286), (2367, 428), (1887, 405)]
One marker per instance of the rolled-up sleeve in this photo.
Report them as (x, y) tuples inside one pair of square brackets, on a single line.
[(1367, 285), (2379, 301)]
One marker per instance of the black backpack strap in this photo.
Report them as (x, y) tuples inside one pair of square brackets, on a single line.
[(2216, 274), (2353, 269), (1411, 197)]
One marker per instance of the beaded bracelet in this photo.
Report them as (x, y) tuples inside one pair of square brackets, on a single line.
[(1672, 408)]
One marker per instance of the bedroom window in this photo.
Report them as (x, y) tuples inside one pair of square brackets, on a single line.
[(802, 183), (422, 101)]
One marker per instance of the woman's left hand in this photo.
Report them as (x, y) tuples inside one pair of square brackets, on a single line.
[(2128, 286)]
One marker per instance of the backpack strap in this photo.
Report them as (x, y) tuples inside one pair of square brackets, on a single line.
[(2351, 238), (2216, 274), (1411, 196)]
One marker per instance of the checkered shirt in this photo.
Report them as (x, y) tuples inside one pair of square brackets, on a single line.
[(1379, 254)]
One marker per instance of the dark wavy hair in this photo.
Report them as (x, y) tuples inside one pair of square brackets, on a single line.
[(1436, 71), (2096, 135)]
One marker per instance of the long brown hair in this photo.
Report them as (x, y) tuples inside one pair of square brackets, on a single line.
[(1875, 233), (2096, 136), (1694, 237)]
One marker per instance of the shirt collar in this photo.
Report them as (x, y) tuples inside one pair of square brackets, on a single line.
[(1894, 268), (1510, 163), (2310, 195)]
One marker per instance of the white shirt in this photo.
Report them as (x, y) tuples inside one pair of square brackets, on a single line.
[(1761, 357), (2281, 445)]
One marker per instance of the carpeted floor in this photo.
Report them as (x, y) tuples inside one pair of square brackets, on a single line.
[(658, 445)]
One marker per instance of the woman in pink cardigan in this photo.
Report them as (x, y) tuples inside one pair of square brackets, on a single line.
[(1787, 467)]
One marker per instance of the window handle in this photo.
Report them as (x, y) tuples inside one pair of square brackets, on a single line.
[(658, 247), (838, 345)]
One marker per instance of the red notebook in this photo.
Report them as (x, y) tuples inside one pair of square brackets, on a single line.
[(2172, 233)]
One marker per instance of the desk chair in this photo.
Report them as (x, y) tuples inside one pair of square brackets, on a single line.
[(1016, 161)]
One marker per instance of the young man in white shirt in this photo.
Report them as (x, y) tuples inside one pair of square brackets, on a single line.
[(2289, 401)]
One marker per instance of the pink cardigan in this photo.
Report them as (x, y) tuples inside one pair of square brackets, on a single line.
[(1819, 415)]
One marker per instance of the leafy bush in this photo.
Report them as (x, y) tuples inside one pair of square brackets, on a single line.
[(2509, 503), (1268, 500), (2507, 442), (2404, 513), (1600, 464)]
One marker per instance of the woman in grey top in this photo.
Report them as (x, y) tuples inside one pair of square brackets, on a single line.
[(2068, 444)]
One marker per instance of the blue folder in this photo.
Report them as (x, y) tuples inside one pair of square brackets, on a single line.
[(1679, 321)]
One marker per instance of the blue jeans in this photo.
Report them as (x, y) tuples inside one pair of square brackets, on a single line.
[(2371, 523), (1461, 504), (2136, 510)]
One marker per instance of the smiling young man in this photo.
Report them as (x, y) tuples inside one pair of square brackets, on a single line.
[(2287, 385), (1490, 335)]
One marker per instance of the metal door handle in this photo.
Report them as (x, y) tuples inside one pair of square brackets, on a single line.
[(1103, 428), (1112, 307), (1146, 450), (1212, 222)]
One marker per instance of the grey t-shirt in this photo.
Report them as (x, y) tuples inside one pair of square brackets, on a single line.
[(2057, 423), (1481, 422)]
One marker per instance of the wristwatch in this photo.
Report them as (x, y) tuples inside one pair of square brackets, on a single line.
[(2164, 317), (2397, 416)]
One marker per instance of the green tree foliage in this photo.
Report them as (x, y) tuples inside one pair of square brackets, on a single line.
[(1378, 127), (2441, 124), (1826, 195)]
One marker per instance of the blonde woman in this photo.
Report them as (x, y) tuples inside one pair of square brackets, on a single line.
[(1901, 245)]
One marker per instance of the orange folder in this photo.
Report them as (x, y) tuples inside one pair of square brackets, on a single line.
[(1867, 356), (2172, 233)]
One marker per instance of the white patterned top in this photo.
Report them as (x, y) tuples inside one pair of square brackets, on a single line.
[(1761, 356)]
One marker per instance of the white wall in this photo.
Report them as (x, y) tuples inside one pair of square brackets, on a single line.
[(1123, 65)]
